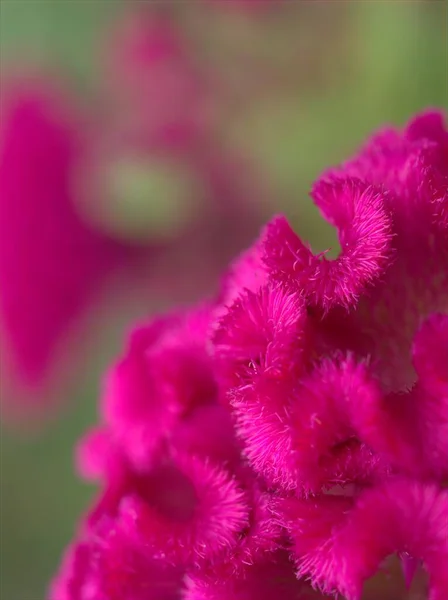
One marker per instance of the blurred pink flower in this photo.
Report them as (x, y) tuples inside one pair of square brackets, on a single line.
[(59, 244), (160, 91), (53, 263)]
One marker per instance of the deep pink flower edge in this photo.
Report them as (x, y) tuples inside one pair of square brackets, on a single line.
[(293, 432)]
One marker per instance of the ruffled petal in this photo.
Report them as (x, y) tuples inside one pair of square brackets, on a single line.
[(107, 567), (263, 581), (247, 272), (164, 375), (262, 331), (430, 395), (209, 526), (340, 542), (365, 233), (324, 420), (410, 428)]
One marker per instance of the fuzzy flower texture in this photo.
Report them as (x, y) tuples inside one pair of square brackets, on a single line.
[(285, 438)]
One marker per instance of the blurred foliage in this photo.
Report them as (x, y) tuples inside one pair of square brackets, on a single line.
[(134, 186), (368, 64), (56, 34)]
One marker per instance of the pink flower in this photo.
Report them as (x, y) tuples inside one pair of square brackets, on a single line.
[(293, 430), (53, 263), (340, 542), (359, 213), (265, 581), (59, 246), (106, 566), (158, 88), (197, 520), (165, 374)]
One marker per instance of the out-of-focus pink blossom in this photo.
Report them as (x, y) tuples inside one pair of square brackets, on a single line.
[(328, 380), (53, 263), (60, 243), (160, 92)]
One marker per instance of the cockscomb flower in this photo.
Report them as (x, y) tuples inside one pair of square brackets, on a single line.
[(105, 565), (288, 436)]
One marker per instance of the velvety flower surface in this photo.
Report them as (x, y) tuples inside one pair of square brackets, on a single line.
[(287, 437)]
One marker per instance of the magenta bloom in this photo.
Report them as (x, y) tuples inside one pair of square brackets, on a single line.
[(160, 91), (285, 438), (58, 245), (53, 263)]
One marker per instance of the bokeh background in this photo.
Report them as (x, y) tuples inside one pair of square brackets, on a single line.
[(306, 83)]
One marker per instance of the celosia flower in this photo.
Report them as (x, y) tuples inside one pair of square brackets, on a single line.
[(267, 580), (106, 566), (342, 541), (329, 380)]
